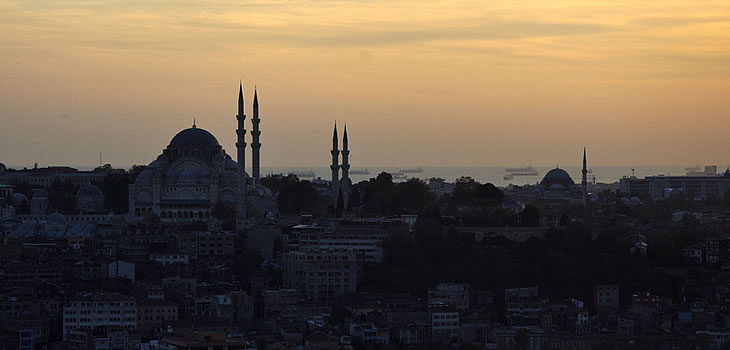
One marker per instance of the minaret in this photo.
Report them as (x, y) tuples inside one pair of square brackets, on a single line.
[(255, 144), (335, 166), (241, 176), (345, 182), (584, 183)]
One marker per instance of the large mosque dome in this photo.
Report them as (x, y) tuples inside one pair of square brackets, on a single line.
[(557, 176), (194, 137)]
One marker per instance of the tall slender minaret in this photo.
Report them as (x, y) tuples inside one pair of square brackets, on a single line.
[(241, 176), (335, 166), (255, 144), (345, 182), (584, 183)]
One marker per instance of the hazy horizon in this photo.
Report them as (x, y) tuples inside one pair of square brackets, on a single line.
[(452, 83)]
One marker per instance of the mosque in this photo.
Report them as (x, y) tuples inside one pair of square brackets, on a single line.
[(557, 184), (194, 174)]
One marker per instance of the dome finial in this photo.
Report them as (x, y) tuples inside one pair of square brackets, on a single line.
[(194, 123)]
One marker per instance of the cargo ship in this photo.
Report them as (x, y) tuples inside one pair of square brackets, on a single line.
[(303, 174), (416, 170), (526, 171)]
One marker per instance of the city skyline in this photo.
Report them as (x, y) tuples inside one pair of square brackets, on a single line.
[(452, 84)]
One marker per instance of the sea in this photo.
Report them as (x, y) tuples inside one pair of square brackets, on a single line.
[(493, 174), (482, 174)]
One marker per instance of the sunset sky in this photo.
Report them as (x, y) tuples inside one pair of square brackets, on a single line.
[(474, 83)]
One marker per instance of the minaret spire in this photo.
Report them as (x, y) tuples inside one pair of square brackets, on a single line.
[(584, 183), (240, 98), (345, 182), (255, 144), (335, 166), (241, 186)]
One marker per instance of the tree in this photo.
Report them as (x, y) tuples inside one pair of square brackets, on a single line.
[(62, 196), (135, 170), (412, 196), (297, 196), (226, 213), (530, 216), (116, 192), (489, 194)]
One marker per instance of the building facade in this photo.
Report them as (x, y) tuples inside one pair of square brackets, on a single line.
[(95, 309)]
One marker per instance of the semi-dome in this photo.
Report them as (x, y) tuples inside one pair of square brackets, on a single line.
[(194, 137), (56, 218), (18, 198), (90, 191), (187, 177)]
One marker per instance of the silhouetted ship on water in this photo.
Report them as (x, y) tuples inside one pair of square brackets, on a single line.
[(416, 170), (526, 171), (303, 174)]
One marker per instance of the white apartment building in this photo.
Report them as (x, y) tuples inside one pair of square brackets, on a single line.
[(90, 310)]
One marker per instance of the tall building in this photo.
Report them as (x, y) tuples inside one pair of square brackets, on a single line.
[(606, 301), (693, 186), (320, 276), (194, 174)]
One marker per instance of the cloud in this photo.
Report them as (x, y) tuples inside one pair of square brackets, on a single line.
[(669, 21)]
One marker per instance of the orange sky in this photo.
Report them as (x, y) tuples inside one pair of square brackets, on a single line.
[(481, 83)]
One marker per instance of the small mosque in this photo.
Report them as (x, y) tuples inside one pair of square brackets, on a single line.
[(194, 174), (557, 184)]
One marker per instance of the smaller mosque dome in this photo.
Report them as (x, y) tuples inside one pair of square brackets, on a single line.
[(230, 163), (261, 192), (162, 159), (56, 218), (145, 176), (18, 198), (194, 137), (89, 191)]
